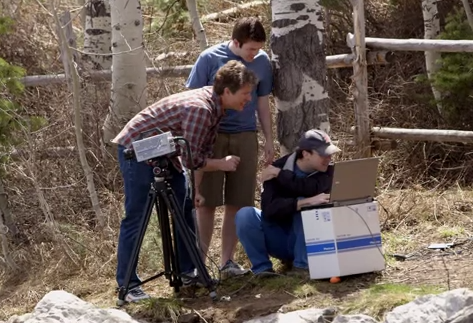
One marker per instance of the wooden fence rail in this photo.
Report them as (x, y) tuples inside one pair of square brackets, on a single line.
[(438, 135), (333, 61)]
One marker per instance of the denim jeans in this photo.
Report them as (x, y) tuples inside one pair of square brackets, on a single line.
[(262, 239), (137, 178)]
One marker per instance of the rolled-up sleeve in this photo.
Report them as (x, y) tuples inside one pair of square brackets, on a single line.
[(196, 128)]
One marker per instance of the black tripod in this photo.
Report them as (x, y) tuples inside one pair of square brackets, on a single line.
[(161, 195)]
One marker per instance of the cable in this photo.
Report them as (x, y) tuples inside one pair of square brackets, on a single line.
[(368, 227)]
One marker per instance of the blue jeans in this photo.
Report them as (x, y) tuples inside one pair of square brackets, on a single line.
[(262, 239), (137, 178)]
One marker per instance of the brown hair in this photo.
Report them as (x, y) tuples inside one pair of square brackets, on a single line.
[(248, 29), (233, 75)]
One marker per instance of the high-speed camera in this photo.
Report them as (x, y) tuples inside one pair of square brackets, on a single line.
[(155, 146)]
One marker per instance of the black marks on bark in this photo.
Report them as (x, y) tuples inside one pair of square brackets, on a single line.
[(114, 44), (137, 22), (281, 23), (96, 8), (303, 17), (297, 6), (299, 51), (96, 31), (117, 27), (293, 123)]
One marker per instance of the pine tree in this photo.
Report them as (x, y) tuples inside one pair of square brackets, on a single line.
[(455, 77)]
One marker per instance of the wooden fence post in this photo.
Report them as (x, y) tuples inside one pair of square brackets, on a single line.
[(360, 82)]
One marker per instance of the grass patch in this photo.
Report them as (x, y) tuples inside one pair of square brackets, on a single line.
[(450, 232), (157, 309), (382, 298)]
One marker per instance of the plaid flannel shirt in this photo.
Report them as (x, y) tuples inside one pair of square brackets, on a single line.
[(193, 114)]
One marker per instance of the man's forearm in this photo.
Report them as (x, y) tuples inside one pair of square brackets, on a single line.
[(303, 203), (264, 116)]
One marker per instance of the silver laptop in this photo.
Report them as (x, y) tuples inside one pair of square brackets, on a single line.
[(353, 182)]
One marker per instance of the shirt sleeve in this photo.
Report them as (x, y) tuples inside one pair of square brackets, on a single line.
[(199, 75), (196, 125), (265, 85)]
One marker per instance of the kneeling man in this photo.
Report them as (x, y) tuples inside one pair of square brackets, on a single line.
[(294, 181)]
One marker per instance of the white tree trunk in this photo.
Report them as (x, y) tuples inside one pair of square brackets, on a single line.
[(98, 34), (469, 14), (431, 31), (128, 95), (300, 69), (7, 227), (196, 24)]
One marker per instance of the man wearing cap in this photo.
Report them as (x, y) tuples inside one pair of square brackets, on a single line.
[(300, 179)]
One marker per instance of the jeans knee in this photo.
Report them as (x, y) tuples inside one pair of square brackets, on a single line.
[(247, 217)]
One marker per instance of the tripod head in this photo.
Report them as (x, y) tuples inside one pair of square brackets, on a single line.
[(160, 164)]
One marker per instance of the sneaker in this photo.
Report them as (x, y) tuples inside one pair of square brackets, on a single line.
[(193, 280), (232, 269), (136, 295), (298, 272), (266, 273)]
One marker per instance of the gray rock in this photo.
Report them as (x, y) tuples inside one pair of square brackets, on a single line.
[(303, 316), (62, 307), (354, 319), (464, 316), (432, 308)]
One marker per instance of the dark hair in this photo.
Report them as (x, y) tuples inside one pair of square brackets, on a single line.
[(233, 75), (248, 29), (299, 154)]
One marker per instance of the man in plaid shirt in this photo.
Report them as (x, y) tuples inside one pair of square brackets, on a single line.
[(194, 115)]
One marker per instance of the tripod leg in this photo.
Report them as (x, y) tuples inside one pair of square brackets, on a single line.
[(123, 290), (189, 240), (170, 264)]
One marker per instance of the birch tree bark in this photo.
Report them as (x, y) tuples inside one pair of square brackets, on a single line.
[(98, 34), (469, 14), (196, 24), (431, 31), (128, 95), (300, 69)]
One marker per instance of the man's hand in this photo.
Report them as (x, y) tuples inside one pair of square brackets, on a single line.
[(268, 152), (229, 163), (198, 199), (269, 173), (319, 199)]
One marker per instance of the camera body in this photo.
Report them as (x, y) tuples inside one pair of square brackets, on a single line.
[(155, 146)]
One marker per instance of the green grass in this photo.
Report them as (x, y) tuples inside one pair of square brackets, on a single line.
[(450, 232), (157, 310), (379, 299)]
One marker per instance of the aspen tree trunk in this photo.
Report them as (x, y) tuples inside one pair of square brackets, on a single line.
[(469, 14), (431, 31), (300, 69), (196, 24), (128, 95), (98, 34)]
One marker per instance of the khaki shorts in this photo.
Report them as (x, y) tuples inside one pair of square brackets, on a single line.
[(233, 188)]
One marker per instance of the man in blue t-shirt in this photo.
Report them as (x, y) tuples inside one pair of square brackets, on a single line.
[(237, 136)]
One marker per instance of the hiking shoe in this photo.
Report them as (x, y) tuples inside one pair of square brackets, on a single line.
[(193, 280), (232, 269), (266, 273), (299, 272), (135, 295)]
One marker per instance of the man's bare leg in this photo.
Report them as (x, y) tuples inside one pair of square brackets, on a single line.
[(205, 222), (229, 236), (228, 267)]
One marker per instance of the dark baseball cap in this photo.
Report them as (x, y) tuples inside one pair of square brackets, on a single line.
[(319, 141)]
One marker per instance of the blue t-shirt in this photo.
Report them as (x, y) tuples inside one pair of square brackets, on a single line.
[(298, 171), (203, 74)]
